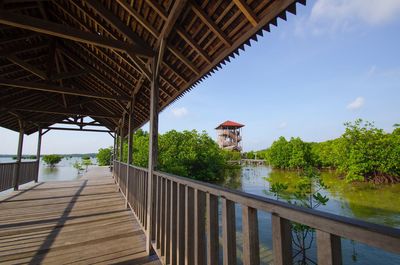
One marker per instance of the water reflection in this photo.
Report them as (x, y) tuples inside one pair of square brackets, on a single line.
[(373, 203)]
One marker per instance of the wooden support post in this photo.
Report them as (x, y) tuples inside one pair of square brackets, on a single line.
[(153, 153), (329, 248), (19, 155), (39, 145), (121, 150), (113, 158), (281, 240), (129, 158)]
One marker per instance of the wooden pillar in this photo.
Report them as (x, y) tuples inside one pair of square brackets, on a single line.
[(153, 154), (121, 147), (113, 156), (129, 158), (19, 155), (39, 146)]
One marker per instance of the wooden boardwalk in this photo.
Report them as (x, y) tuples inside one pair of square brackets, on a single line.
[(71, 222)]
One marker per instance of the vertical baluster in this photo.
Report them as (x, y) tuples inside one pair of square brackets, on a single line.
[(251, 247), (281, 240), (181, 225), (212, 229), (199, 227), (143, 195), (157, 197), (189, 226), (329, 248), (173, 223), (228, 232), (162, 218), (167, 219)]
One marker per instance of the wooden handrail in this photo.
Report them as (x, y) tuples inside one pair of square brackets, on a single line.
[(28, 172), (184, 203)]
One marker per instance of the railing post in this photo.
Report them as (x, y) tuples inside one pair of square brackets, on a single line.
[(329, 248), (281, 240), (19, 155), (153, 153), (39, 145), (251, 247), (129, 158), (212, 229), (121, 150), (228, 232), (114, 156)]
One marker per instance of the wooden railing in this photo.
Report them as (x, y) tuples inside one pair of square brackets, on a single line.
[(28, 172), (187, 220)]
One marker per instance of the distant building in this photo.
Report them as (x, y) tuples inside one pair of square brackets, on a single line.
[(229, 135)]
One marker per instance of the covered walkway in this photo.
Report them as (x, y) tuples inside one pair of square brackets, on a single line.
[(71, 222)]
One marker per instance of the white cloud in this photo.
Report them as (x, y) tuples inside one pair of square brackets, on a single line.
[(370, 11), (282, 125), (330, 16), (179, 112), (356, 104)]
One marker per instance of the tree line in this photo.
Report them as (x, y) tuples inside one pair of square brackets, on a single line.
[(362, 152), (189, 154)]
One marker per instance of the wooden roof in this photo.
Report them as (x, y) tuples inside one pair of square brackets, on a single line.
[(75, 58), (229, 124)]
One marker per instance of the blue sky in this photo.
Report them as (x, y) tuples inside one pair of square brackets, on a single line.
[(336, 61)]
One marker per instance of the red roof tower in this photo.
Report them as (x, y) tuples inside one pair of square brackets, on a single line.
[(229, 135)]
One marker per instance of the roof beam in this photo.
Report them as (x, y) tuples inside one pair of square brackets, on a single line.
[(28, 67), (76, 129), (63, 112), (66, 32), (92, 70), (58, 89), (69, 75), (123, 28), (72, 123), (173, 16), (247, 12), (211, 24)]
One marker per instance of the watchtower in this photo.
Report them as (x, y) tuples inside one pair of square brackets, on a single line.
[(229, 135)]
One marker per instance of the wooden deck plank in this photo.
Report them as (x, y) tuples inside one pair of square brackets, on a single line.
[(71, 222)]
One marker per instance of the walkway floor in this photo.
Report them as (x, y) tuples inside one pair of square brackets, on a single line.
[(71, 222)]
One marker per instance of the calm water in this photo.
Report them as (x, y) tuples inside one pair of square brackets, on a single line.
[(377, 204), (62, 171)]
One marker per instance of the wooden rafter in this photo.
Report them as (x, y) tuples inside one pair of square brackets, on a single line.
[(28, 67), (246, 10), (63, 31), (60, 111), (56, 89)]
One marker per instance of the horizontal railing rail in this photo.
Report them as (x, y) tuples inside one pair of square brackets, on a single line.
[(187, 222), (28, 172)]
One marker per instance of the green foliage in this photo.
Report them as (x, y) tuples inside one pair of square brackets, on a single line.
[(293, 154), (85, 157), (52, 160), (363, 152), (230, 155), (86, 161), (78, 166), (104, 156), (189, 154)]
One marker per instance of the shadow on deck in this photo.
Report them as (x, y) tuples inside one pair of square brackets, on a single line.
[(71, 222)]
